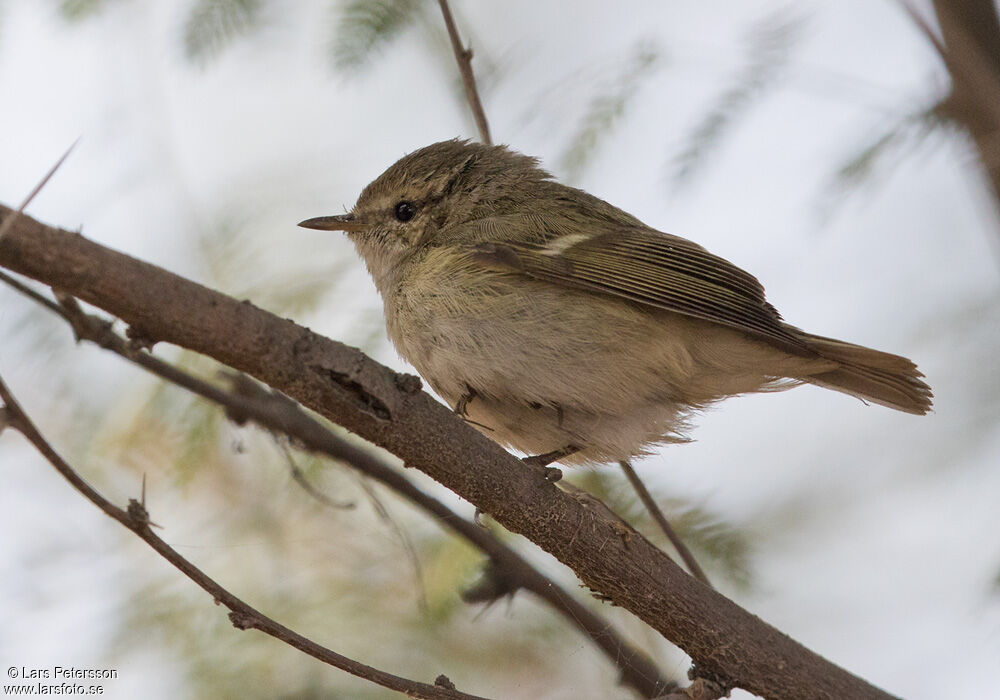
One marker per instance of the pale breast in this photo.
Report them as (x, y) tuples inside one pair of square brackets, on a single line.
[(518, 339)]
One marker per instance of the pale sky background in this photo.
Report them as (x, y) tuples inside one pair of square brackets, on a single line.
[(879, 532)]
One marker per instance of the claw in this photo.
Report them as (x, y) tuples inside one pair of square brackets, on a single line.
[(462, 407), (546, 458)]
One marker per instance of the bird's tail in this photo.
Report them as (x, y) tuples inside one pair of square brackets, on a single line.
[(879, 377)]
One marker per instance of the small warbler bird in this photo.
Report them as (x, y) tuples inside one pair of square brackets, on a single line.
[(563, 327)]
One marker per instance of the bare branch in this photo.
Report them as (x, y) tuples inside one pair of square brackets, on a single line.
[(243, 616), (728, 645), (250, 401), (300, 478), (464, 58)]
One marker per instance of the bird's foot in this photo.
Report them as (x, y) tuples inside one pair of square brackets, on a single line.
[(543, 461)]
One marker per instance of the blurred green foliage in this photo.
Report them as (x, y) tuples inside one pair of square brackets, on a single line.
[(607, 108), (769, 46), (79, 10), (363, 28), (214, 24)]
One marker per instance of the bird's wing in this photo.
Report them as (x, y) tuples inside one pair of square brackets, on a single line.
[(642, 265)]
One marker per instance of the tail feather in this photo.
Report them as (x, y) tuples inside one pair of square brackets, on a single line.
[(879, 377)]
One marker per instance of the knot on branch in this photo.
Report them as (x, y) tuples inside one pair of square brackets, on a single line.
[(138, 515), (700, 689), (242, 621), (442, 681), (704, 687), (86, 326), (139, 339), (245, 388), (408, 383)]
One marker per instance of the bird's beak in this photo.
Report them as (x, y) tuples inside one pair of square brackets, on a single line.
[(341, 222)]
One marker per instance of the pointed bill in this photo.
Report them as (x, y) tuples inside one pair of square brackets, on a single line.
[(341, 222)]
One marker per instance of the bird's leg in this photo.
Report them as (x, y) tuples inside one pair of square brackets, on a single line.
[(543, 461), (462, 407)]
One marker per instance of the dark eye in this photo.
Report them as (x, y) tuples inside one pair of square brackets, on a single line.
[(405, 211)]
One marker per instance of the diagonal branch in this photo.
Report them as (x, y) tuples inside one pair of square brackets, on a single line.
[(464, 58), (243, 616), (728, 645), (250, 401)]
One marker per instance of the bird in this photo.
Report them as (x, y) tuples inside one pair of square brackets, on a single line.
[(567, 329)]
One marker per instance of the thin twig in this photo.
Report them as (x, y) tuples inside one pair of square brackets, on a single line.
[(242, 615), (464, 58), (661, 520), (275, 412), (404, 539), (300, 478)]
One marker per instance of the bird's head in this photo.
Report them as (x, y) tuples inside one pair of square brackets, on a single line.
[(431, 191)]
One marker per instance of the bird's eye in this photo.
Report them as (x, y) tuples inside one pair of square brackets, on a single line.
[(405, 211)]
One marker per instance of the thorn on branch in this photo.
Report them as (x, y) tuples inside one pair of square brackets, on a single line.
[(9, 222)]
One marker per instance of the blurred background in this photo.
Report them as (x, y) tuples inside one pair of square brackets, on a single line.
[(803, 141)]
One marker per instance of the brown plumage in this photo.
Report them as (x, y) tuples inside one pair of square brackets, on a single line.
[(566, 321)]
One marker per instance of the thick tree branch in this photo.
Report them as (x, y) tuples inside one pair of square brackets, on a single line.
[(728, 645), (243, 616), (250, 401)]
